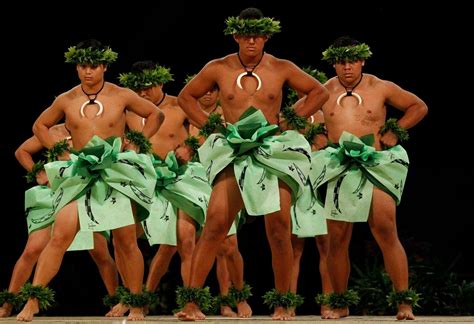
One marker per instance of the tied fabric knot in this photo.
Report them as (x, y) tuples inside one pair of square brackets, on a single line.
[(249, 131), (167, 170), (96, 156)]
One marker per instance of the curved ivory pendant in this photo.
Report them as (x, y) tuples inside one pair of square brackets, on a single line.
[(88, 102), (344, 94), (143, 121), (239, 84)]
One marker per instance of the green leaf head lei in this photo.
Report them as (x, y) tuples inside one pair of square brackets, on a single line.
[(346, 49), (90, 52), (145, 74), (251, 22)]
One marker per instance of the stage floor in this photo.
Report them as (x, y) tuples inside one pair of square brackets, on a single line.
[(252, 320)]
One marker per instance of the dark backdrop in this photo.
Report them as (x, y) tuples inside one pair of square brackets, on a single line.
[(414, 47)]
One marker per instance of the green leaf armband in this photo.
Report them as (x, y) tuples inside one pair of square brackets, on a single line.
[(313, 130), (240, 295), (214, 122), (273, 299), (138, 139), (199, 296), (295, 121), (44, 295), (57, 150), (193, 143), (37, 167), (342, 300), (409, 297), (391, 124)]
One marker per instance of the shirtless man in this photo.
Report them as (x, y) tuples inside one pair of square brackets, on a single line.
[(229, 261), (177, 228), (38, 205), (93, 111), (357, 107), (251, 79)]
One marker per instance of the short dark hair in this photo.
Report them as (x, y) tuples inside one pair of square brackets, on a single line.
[(140, 66), (90, 43), (251, 13), (345, 41)]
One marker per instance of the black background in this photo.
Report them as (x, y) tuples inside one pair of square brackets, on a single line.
[(414, 47)]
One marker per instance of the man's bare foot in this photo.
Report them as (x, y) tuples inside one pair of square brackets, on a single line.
[(339, 312), (292, 311), (226, 311), (405, 312), (6, 310), (136, 314), (190, 312), (118, 310), (29, 310), (282, 314), (326, 312), (243, 309)]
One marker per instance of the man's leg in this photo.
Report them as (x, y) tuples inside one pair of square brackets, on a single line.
[(159, 266), (65, 228), (322, 243), (132, 265), (297, 245), (223, 277), (278, 230), (105, 263), (383, 225), (338, 262), (235, 267), (224, 204), (35, 244), (186, 232)]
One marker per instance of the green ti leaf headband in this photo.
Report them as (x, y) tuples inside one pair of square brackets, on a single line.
[(146, 78), (347, 53), (251, 27), (92, 56)]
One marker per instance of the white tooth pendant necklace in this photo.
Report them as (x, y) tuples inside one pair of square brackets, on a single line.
[(249, 72), (349, 92), (92, 101)]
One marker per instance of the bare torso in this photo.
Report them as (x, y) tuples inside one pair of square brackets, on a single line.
[(236, 101), (360, 120), (174, 129), (110, 123)]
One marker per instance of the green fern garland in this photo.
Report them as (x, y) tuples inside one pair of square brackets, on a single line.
[(45, 295), (93, 56), (313, 130), (146, 78), (137, 138), (251, 27), (346, 299), (400, 132), (293, 120), (213, 122), (57, 150), (199, 296), (240, 295), (37, 167), (10, 298), (347, 53), (273, 299), (409, 297)]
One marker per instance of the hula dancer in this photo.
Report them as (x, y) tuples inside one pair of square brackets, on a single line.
[(248, 158), (365, 170), (96, 181)]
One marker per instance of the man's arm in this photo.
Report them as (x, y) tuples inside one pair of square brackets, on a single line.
[(24, 155), (145, 109), (195, 89), (413, 107), (315, 94), (48, 118)]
